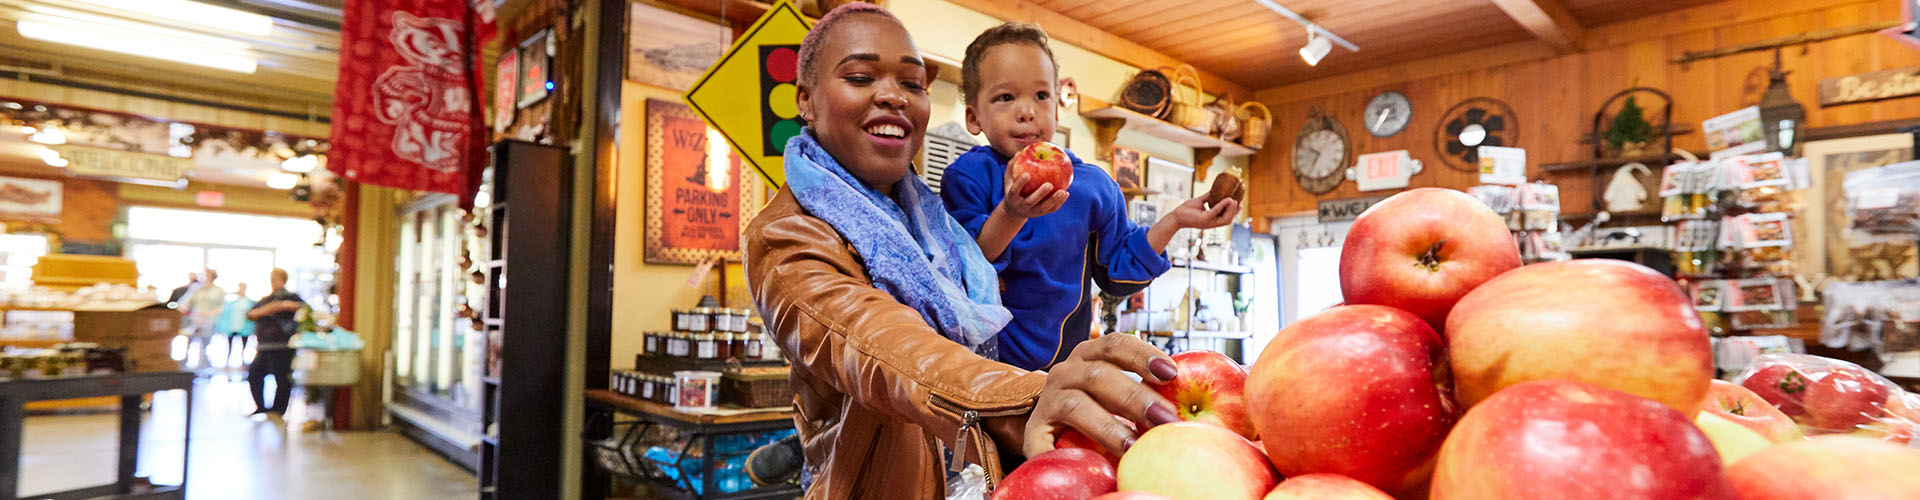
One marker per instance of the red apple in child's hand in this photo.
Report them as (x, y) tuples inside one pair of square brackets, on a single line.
[(1061, 474), (1361, 391), (1043, 163), (1325, 487), (1195, 461), (1210, 388), (1780, 385), (1742, 406), (1828, 468), (1073, 438), (1610, 323), (1422, 250), (1844, 399), (1566, 440)]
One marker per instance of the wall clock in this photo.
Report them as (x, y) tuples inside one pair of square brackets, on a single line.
[(1472, 123), (1388, 114), (1321, 153)]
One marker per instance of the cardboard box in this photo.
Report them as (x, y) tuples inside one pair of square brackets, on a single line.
[(130, 322)]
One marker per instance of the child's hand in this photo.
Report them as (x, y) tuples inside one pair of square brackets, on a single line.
[(1194, 213), (1042, 201)]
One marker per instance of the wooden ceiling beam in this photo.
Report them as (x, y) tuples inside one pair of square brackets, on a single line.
[(1549, 21), (1066, 29)]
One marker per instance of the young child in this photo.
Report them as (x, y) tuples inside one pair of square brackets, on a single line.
[(1047, 245)]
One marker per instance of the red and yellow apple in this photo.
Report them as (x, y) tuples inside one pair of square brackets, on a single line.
[(1361, 391), (1568, 440), (1061, 474), (1845, 398), (1422, 250), (1781, 385), (1211, 388), (1043, 163), (1732, 440), (1610, 323), (1073, 438), (1325, 487), (1195, 461), (1836, 467), (1738, 405)]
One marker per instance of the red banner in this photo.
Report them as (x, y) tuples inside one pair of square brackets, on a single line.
[(407, 110)]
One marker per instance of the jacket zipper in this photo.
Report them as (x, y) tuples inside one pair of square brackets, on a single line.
[(969, 422)]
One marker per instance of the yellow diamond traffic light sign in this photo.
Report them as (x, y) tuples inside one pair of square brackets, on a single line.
[(749, 95)]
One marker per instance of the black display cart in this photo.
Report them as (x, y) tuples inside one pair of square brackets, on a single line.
[(698, 432), (129, 387)]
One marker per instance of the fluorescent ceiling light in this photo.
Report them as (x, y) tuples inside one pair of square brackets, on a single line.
[(282, 180), (52, 158), (1316, 49), (138, 40), (300, 164), (194, 13)]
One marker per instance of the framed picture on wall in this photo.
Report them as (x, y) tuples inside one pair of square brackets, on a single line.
[(1126, 168), (1829, 162), (1171, 180), (668, 49), (698, 196), (30, 200)]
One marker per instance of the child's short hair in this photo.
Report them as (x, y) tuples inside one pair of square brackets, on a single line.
[(810, 45), (1006, 33)]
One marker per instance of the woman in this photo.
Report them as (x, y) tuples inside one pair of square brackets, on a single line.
[(885, 306)]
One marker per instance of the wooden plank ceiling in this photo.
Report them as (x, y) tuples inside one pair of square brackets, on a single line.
[(1244, 42)]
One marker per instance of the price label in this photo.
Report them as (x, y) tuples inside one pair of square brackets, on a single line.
[(1500, 165), (1389, 170)]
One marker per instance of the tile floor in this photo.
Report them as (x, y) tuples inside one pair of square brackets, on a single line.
[(237, 458)]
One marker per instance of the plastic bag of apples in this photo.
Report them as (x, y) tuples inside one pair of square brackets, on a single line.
[(1830, 396)]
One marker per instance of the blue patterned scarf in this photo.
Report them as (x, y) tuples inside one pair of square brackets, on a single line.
[(911, 247)]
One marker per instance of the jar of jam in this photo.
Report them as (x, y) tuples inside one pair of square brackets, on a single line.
[(679, 320), (699, 320), (751, 346), (676, 344), (646, 387), (650, 343), (737, 345), (722, 346), (707, 349)]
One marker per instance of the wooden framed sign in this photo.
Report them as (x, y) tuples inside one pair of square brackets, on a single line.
[(1865, 87), (698, 196)]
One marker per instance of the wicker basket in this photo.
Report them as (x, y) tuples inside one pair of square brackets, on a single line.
[(1191, 113), (1226, 123), (768, 390), (1256, 127), (1149, 92)]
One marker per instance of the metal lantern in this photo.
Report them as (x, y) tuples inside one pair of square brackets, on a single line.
[(1780, 115)]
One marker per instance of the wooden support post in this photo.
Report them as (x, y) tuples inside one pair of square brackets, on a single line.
[(1105, 130), (1202, 158)]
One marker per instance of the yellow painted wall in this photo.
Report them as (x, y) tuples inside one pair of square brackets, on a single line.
[(644, 295)]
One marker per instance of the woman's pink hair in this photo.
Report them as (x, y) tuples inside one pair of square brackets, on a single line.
[(810, 46)]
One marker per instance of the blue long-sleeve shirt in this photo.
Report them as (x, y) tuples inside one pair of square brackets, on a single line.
[(1044, 271)]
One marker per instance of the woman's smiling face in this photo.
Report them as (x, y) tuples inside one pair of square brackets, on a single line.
[(867, 102)]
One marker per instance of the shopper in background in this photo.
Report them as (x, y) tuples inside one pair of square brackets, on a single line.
[(233, 324), (275, 320), (885, 306), (173, 299), (1048, 243), (202, 306)]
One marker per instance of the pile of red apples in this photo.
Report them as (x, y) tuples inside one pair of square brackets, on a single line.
[(1452, 372)]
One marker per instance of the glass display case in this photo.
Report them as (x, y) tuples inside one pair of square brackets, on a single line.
[(436, 349)]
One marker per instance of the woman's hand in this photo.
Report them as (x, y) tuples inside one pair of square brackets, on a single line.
[(1087, 390), (1044, 200)]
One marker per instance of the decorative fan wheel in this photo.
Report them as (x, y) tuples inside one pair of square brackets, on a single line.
[(1472, 123)]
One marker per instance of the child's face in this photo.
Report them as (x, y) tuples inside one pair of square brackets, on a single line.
[(868, 104), (1016, 105)]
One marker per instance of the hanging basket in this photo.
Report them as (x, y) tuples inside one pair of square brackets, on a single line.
[(1189, 112), (1256, 127), (1150, 93)]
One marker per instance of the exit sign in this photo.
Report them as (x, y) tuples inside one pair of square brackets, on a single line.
[(1389, 170), (210, 199)]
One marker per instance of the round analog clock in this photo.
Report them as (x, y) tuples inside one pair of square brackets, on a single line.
[(1388, 114), (1321, 154)]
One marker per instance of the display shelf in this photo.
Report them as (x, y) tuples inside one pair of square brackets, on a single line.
[(1108, 120), (1209, 266)]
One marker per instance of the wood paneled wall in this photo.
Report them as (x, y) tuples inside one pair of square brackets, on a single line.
[(1555, 97)]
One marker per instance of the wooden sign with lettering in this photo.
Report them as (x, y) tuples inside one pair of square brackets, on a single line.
[(1346, 209), (698, 196), (1865, 87)]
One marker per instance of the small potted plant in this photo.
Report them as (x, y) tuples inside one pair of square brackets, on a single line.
[(1630, 134)]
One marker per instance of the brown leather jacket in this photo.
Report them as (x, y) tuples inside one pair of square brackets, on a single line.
[(877, 390)]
